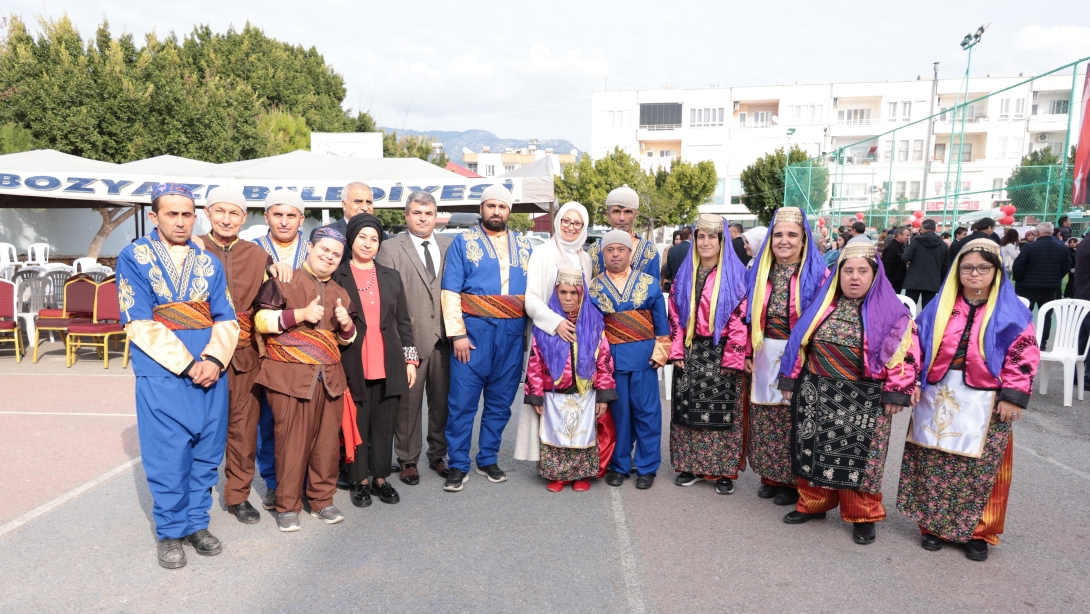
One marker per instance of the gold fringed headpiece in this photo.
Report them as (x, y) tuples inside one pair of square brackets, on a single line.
[(981, 245), (710, 223), (569, 277), (859, 249), (789, 214)]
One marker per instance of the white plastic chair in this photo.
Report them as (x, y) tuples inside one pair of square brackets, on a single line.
[(8, 255), (911, 304), (79, 265), (1025, 301), (1065, 344), (37, 253), (57, 266)]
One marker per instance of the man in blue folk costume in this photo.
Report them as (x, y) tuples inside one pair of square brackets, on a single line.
[(638, 331), (622, 207), (484, 281), (177, 312)]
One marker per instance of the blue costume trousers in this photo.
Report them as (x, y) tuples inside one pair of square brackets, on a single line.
[(494, 368), (266, 445), (183, 434), (637, 414)]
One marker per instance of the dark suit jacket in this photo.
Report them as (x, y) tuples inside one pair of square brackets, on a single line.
[(397, 330), (423, 293)]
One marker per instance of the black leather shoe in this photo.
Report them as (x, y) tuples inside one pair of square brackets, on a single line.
[(643, 482), (976, 550), (863, 533), (614, 478), (245, 513), (385, 492), (686, 479), (797, 517), (785, 495), (269, 502), (933, 543), (766, 491), (440, 466), (171, 555), (204, 543), (361, 495), (724, 486), (409, 474), (343, 483)]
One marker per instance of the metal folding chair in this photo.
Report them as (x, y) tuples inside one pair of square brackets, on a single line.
[(105, 327), (9, 323)]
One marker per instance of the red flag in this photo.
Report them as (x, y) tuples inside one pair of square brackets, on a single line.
[(1082, 153)]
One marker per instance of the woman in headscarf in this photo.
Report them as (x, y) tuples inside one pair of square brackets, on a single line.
[(850, 365), (788, 273), (708, 346), (753, 239), (563, 251), (569, 385), (979, 359), (380, 364)]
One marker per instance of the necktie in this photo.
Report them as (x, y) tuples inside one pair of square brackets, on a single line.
[(428, 264)]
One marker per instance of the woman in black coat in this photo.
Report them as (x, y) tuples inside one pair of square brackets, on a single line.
[(380, 363)]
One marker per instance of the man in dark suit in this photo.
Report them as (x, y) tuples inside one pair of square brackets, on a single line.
[(356, 197), (891, 257), (420, 255)]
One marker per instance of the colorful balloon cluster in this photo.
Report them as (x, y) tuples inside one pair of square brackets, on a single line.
[(1008, 215), (916, 219)]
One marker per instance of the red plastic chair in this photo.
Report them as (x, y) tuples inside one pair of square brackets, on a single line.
[(9, 324), (106, 327), (79, 307)]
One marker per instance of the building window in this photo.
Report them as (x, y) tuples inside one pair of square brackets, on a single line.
[(853, 117), (1058, 107), (489, 170), (1004, 108), (997, 189), (892, 112), (651, 154), (899, 191), (736, 191), (706, 117), (1001, 147), (850, 191), (719, 197), (1019, 108), (666, 153), (917, 150), (472, 166), (967, 152), (902, 151), (940, 152), (914, 190), (742, 117), (1016, 147), (660, 116), (906, 111), (507, 168), (887, 151)]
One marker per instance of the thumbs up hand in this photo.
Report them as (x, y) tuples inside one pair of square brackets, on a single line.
[(312, 313), (342, 316)]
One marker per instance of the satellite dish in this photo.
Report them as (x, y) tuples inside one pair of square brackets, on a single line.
[(775, 119)]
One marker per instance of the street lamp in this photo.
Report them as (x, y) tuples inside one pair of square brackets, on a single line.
[(971, 40)]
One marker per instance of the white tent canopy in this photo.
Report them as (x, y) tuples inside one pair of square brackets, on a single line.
[(50, 179)]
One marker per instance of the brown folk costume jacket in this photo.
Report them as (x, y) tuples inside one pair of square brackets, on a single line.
[(294, 379), (245, 263)]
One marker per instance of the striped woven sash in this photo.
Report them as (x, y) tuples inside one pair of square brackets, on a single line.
[(304, 346), (835, 360), (188, 315), (503, 306), (629, 326), (245, 326)]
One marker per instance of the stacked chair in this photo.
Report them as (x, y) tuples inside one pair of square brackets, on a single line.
[(9, 323), (78, 307), (104, 327)]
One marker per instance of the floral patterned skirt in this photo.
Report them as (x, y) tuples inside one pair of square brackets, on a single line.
[(707, 452), (566, 464), (946, 493), (769, 444)]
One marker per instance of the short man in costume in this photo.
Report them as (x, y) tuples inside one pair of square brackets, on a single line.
[(708, 332), (980, 356), (245, 266), (784, 277), (638, 331), (484, 280), (303, 323), (177, 312), (850, 365), (570, 401), (622, 207)]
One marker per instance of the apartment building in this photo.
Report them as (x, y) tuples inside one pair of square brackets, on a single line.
[(494, 164), (734, 126)]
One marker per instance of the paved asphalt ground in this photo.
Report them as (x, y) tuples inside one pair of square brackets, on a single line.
[(76, 532)]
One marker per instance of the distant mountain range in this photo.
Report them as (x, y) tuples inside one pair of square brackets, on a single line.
[(453, 142)]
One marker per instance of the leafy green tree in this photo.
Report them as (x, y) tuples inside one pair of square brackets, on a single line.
[(412, 146), (1034, 185), (520, 222), (284, 131), (763, 182), (15, 138), (679, 192)]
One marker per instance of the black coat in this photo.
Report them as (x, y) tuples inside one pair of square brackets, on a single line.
[(896, 269), (928, 259), (397, 330), (740, 248), (956, 246), (1041, 266), (1082, 269)]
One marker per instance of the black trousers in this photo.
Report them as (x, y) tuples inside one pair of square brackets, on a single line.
[(376, 415), (921, 297), (1036, 299)]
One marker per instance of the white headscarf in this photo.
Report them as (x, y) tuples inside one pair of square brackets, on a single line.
[(755, 236), (568, 251)]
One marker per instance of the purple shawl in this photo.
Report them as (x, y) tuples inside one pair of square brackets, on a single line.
[(589, 326), (885, 320), (810, 274), (732, 287)]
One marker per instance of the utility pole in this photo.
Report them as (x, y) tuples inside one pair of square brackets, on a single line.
[(930, 143)]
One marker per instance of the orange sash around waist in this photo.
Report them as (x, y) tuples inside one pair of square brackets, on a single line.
[(304, 346), (629, 326), (189, 315), (245, 326), (503, 306)]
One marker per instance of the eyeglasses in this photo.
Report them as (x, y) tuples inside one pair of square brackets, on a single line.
[(983, 269), (577, 225)]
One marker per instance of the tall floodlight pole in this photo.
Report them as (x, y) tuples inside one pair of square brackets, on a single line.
[(967, 43), (1067, 144)]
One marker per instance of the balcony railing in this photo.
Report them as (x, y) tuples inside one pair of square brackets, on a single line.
[(753, 124), (866, 121), (660, 126)]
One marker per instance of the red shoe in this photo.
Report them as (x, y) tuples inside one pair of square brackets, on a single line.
[(555, 486), (581, 485)]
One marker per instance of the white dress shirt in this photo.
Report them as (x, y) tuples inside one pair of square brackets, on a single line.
[(433, 247)]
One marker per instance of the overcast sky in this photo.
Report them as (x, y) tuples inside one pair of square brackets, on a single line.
[(527, 69)]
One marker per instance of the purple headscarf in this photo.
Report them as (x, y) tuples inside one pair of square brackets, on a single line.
[(885, 319), (811, 273), (732, 286), (589, 326)]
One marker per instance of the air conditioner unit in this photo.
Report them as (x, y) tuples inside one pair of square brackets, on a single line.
[(835, 100), (1035, 94), (1042, 137), (737, 105)]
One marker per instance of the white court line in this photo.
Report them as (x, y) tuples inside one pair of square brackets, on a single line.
[(61, 500), (628, 559), (60, 413), (1081, 474)]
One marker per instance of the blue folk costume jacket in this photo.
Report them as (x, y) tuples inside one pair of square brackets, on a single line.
[(174, 314), (301, 250), (472, 283), (645, 258), (637, 326)]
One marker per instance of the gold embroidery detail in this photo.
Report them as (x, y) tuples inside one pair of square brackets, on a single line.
[(605, 304), (572, 412), (594, 252), (524, 259), (204, 266), (198, 289), (474, 253), (639, 293), (125, 294), (143, 254), (946, 405), (158, 284)]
